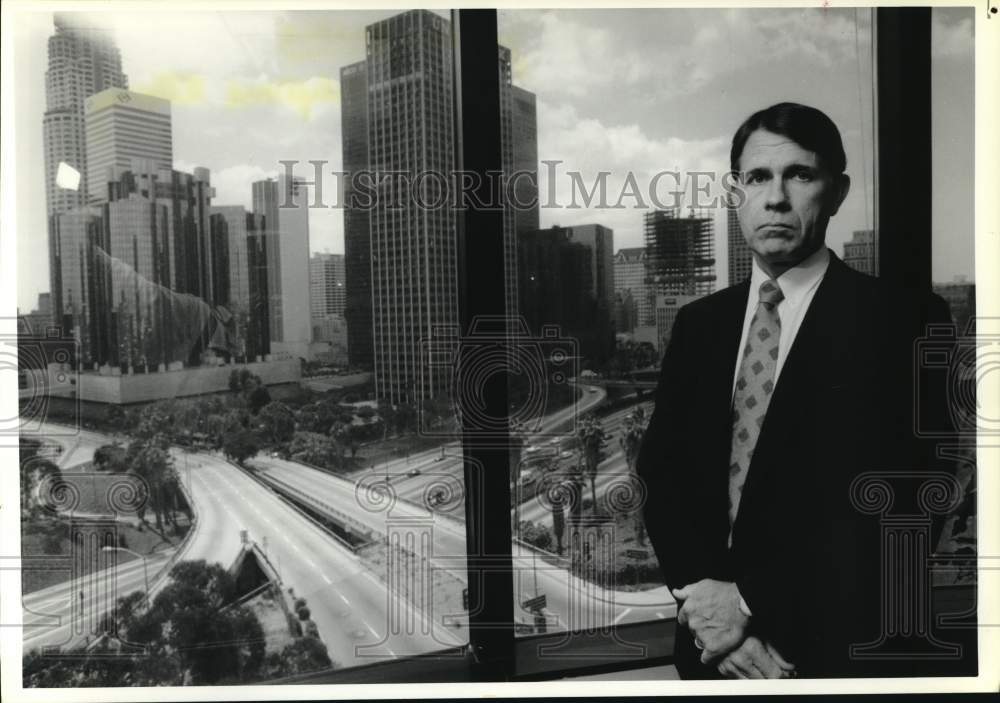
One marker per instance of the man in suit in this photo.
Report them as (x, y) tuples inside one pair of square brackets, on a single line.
[(774, 395)]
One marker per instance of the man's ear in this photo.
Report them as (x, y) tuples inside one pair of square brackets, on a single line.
[(841, 187)]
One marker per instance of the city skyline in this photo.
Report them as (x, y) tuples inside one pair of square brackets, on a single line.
[(611, 108)]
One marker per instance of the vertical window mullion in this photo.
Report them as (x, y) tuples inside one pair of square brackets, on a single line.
[(903, 114), (481, 293)]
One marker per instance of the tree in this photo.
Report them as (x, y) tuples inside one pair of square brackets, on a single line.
[(114, 417), (189, 620), (189, 634), (242, 380), (304, 655), (277, 421), (314, 448), (240, 445), (36, 474), (535, 535), (154, 465), (155, 422), (592, 439), (258, 398), (631, 441), (558, 519), (110, 457)]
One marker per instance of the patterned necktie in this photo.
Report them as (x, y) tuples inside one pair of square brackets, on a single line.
[(753, 389)]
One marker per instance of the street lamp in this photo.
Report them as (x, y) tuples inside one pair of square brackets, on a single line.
[(145, 569)]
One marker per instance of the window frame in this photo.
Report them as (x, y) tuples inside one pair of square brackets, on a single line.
[(902, 108)]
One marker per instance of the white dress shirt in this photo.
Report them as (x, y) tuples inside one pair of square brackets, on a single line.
[(798, 284)]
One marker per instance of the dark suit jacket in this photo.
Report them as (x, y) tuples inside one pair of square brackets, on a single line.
[(804, 558)]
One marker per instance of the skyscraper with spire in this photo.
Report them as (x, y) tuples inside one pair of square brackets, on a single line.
[(83, 60)]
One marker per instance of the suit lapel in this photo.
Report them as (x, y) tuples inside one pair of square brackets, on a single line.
[(721, 364), (810, 356)]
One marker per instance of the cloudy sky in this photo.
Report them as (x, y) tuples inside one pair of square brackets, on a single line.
[(638, 91)]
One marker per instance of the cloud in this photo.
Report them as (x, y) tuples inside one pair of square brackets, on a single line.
[(952, 33), (178, 88), (555, 55), (671, 53), (308, 98), (588, 147)]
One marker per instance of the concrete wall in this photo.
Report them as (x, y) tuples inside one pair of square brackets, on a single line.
[(147, 387)]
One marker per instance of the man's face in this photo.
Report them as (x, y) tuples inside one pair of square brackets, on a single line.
[(790, 197)]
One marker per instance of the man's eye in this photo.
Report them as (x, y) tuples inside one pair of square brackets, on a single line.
[(803, 176), (754, 178)]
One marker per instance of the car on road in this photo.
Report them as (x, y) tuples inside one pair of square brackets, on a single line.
[(413, 472)]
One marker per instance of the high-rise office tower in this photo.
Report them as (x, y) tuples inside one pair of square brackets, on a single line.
[(667, 307), (168, 277), (740, 258), (231, 227), (524, 118), (357, 239), (326, 284), (83, 60), (630, 276), (679, 252), (137, 279), (861, 253), (556, 278), (397, 116), (230, 223), (507, 151), (413, 248), (121, 125), (258, 322), (283, 204), (601, 242), (73, 236), (554, 292)]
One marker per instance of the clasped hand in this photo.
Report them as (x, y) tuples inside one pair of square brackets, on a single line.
[(711, 611)]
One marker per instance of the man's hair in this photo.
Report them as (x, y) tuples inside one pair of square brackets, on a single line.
[(806, 126)]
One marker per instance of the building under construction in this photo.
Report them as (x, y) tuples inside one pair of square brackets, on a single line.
[(680, 252)]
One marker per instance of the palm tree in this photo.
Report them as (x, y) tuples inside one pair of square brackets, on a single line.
[(631, 441), (154, 465), (592, 438)]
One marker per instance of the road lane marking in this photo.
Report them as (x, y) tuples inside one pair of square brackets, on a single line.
[(622, 614), (661, 616)]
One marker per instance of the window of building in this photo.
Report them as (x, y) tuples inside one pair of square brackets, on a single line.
[(374, 503)]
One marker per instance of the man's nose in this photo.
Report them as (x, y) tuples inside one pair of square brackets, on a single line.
[(777, 195)]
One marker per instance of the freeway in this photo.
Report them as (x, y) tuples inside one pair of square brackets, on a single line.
[(428, 470), (348, 603), (358, 618), (572, 602), (52, 617)]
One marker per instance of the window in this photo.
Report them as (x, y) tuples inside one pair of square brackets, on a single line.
[(395, 501), (630, 94)]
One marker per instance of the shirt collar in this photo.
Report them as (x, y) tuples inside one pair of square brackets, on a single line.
[(796, 281)]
